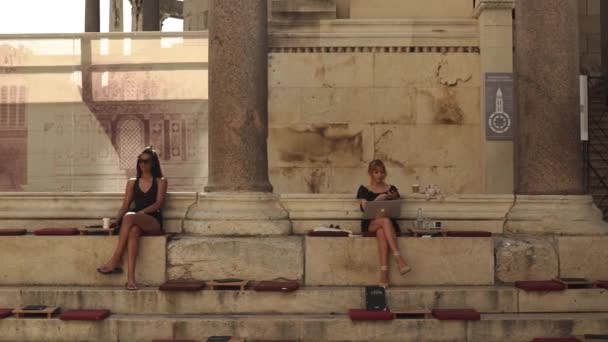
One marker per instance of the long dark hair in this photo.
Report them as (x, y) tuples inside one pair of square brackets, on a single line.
[(155, 166)]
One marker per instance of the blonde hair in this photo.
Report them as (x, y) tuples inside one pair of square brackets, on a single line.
[(376, 164)]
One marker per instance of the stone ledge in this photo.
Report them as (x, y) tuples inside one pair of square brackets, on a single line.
[(306, 328), (587, 300), (435, 261), (307, 300), (251, 258), (72, 260)]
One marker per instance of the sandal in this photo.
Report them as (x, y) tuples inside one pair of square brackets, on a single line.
[(115, 270), (383, 269), (402, 269), (131, 287)]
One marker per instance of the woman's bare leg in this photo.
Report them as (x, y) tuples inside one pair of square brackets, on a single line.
[(133, 247), (391, 239), (127, 223), (382, 256)]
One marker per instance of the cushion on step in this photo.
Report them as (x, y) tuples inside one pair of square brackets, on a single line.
[(468, 233), (556, 339), (174, 341), (56, 231), (540, 285), (595, 337), (277, 286), (219, 338), (328, 234), (370, 315), (456, 314), (602, 284), (174, 285), (84, 315), (5, 313), (12, 232)]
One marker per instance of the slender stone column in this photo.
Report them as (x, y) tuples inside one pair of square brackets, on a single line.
[(239, 199), (238, 96), (91, 16), (151, 15), (116, 16), (548, 149)]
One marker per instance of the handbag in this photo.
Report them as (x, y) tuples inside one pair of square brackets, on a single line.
[(375, 298)]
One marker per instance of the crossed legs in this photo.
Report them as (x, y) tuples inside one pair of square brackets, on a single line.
[(387, 239), (133, 226)]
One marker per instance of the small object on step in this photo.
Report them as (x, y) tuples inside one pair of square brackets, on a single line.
[(595, 337), (540, 285), (87, 231), (56, 232), (576, 283), (277, 285), (456, 314), (174, 341), (12, 232), (556, 339), (33, 310), (370, 315), (602, 284), (375, 298), (6, 313)]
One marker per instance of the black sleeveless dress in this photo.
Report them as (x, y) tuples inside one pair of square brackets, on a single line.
[(366, 194), (143, 200)]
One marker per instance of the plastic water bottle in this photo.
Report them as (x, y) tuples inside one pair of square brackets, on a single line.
[(419, 219)]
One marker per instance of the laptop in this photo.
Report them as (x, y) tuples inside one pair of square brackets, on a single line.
[(378, 209)]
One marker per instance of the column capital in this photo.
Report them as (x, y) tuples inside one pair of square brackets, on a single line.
[(482, 5)]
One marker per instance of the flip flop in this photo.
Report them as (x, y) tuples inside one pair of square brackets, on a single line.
[(115, 270), (131, 287)]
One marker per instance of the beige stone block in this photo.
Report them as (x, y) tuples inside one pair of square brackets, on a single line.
[(525, 327), (144, 328), (589, 300), (388, 9), (337, 105), (436, 261), (583, 257), (426, 70), (451, 157), (496, 36), (447, 106), (593, 7), (499, 168), (483, 299), (321, 70), (245, 258), (590, 24), (300, 179), (393, 106), (51, 330), (496, 17), (497, 59), (72, 260), (594, 43), (320, 145), (526, 259), (284, 106)]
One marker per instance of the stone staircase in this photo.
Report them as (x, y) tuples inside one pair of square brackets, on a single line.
[(448, 273)]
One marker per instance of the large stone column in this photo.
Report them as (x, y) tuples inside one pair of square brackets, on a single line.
[(239, 199), (548, 157), (548, 148), (91, 16), (151, 15)]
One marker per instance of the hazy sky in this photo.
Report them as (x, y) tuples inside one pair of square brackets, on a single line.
[(59, 16)]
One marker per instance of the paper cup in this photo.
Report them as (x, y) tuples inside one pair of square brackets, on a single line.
[(105, 223)]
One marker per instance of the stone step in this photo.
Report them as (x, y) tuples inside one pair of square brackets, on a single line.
[(306, 328), (307, 300), (72, 260)]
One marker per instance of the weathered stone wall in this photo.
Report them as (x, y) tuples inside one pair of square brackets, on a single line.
[(331, 113), (410, 9), (590, 37)]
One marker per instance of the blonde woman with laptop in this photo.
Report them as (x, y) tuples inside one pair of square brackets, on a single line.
[(386, 229)]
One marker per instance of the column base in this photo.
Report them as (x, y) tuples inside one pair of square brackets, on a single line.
[(555, 215), (237, 214)]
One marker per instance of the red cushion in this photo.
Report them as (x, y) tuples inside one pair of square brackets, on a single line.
[(540, 285), (84, 315), (56, 231), (328, 234), (277, 286), (370, 315), (173, 285), (602, 284), (466, 233), (12, 232), (556, 339), (456, 314), (5, 313)]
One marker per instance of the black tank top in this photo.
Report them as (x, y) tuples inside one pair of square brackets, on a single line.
[(143, 200)]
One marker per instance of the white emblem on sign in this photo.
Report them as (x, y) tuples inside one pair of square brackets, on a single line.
[(499, 121)]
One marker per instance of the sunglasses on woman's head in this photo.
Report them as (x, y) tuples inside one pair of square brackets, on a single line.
[(143, 161)]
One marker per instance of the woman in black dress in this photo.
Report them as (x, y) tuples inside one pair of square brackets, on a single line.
[(386, 229), (147, 191)]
